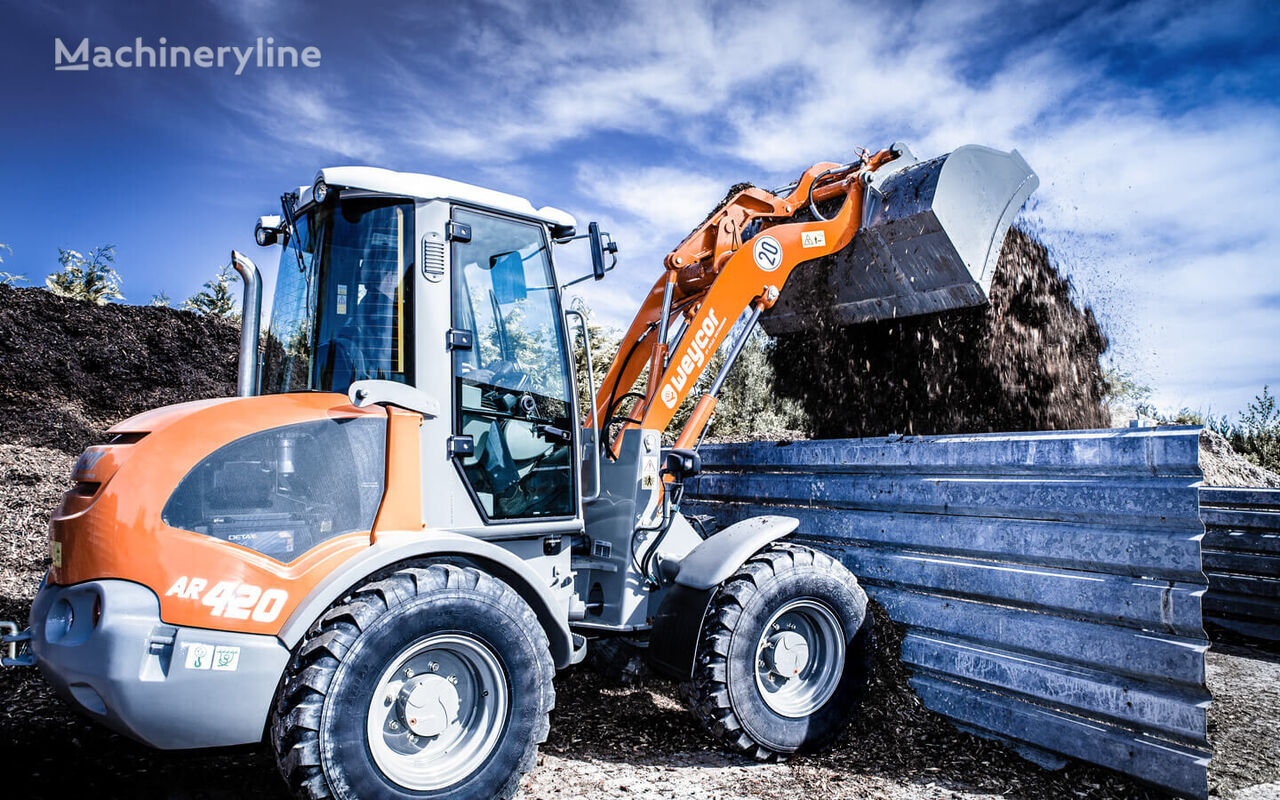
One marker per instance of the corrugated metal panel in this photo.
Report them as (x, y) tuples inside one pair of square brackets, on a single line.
[(1049, 583), (1242, 560)]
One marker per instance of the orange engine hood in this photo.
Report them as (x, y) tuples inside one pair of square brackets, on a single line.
[(109, 524)]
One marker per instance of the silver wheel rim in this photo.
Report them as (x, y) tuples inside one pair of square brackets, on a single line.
[(438, 711), (800, 658)]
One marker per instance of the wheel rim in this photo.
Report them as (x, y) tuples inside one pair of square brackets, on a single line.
[(438, 711), (800, 658)]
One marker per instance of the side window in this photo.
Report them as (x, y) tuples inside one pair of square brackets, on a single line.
[(285, 490), (511, 388)]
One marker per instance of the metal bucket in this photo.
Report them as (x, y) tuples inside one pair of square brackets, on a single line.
[(930, 239)]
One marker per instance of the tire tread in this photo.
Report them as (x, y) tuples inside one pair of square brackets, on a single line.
[(707, 694), (295, 720)]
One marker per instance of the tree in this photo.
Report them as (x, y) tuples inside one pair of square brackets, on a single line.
[(1126, 397), (216, 299), (748, 405), (1257, 436), (161, 300), (9, 278), (604, 345), (90, 278)]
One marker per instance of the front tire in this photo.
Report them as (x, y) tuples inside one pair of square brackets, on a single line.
[(784, 654), (432, 682)]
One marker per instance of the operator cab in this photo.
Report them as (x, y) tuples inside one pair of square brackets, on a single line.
[(404, 278)]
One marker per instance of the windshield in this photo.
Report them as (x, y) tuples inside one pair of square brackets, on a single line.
[(343, 303)]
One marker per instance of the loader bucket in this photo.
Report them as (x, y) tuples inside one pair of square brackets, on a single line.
[(930, 240)]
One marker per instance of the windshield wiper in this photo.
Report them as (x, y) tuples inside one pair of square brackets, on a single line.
[(287, 201)]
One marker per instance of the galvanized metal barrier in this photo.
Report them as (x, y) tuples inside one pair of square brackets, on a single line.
[(1049, 583), (1242, 560)]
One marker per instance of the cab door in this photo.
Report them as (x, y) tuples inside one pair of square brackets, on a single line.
[(513, 409)]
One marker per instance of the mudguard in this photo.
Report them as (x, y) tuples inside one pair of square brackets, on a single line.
[(393, 548), (676, 628)]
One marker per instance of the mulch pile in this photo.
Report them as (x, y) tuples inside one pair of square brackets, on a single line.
[(1028, 360), (70, 369)]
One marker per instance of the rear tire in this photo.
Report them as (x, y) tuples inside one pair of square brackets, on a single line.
[(433, 682), (784, 654)]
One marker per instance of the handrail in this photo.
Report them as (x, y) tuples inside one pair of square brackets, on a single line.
[(591, 394)]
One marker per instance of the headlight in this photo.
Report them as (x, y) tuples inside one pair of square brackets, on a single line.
[(264, 237), (321, 191), (59, 620)]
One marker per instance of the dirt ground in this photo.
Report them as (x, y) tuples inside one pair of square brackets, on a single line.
[(611, 741), (1028, 360)]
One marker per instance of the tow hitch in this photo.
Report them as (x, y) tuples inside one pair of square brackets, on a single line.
[(17, 646)]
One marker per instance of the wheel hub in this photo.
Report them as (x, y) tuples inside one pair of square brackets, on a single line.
[(428, 705), (438, 711), (800, 658), (787, 654)]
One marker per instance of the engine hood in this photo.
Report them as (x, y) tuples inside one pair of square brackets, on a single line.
[(109, 525)]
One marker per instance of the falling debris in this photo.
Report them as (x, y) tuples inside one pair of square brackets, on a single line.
[(1028, 360)]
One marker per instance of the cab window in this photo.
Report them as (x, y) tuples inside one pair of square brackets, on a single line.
[(511, 387)]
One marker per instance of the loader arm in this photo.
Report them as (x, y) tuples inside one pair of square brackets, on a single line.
[(709, 280)]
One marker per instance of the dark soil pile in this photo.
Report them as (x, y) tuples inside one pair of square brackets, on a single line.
[(1028, 360), (70, 369)]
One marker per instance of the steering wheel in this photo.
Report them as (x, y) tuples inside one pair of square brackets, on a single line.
[(508, 376), (346, 360)]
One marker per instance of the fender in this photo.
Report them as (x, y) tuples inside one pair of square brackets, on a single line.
[(394, 547), (678, 625)]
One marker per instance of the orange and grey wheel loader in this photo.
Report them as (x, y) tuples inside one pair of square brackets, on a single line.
[(377, 556)]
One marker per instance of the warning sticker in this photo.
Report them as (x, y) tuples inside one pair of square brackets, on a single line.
[(342, 299), (199, 656), (226, 658), (649, 473), (813, 238), (219, 658), (55, 554)]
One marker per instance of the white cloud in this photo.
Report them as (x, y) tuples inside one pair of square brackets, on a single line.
[(665, 201), (1163, 216)]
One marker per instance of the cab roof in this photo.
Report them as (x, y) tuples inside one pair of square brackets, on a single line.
[(430, 187)]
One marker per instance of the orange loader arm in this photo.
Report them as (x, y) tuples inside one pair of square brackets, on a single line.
[(709, 280)]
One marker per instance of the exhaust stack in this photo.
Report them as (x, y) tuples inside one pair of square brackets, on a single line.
[(250, 309)]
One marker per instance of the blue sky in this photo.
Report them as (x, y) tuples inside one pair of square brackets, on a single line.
[(1154, 127)]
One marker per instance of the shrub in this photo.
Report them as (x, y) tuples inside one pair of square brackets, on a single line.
[(90, 278), (216, 299), (1257, 435)]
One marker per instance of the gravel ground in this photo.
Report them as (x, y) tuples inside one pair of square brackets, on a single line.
[(610, 741), (1223, 466)]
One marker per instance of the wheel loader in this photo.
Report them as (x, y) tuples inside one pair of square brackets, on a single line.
[(377, 556)]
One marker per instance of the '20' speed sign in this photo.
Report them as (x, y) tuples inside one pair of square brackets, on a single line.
[(767, 253)]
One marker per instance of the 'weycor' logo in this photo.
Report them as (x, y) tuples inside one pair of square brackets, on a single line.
[(694, 356)]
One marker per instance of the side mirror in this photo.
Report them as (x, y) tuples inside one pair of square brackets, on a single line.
[(602, 244), (681, 464), (269, 230)]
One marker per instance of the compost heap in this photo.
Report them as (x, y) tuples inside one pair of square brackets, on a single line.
[(70, 369), (1028, 360)]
